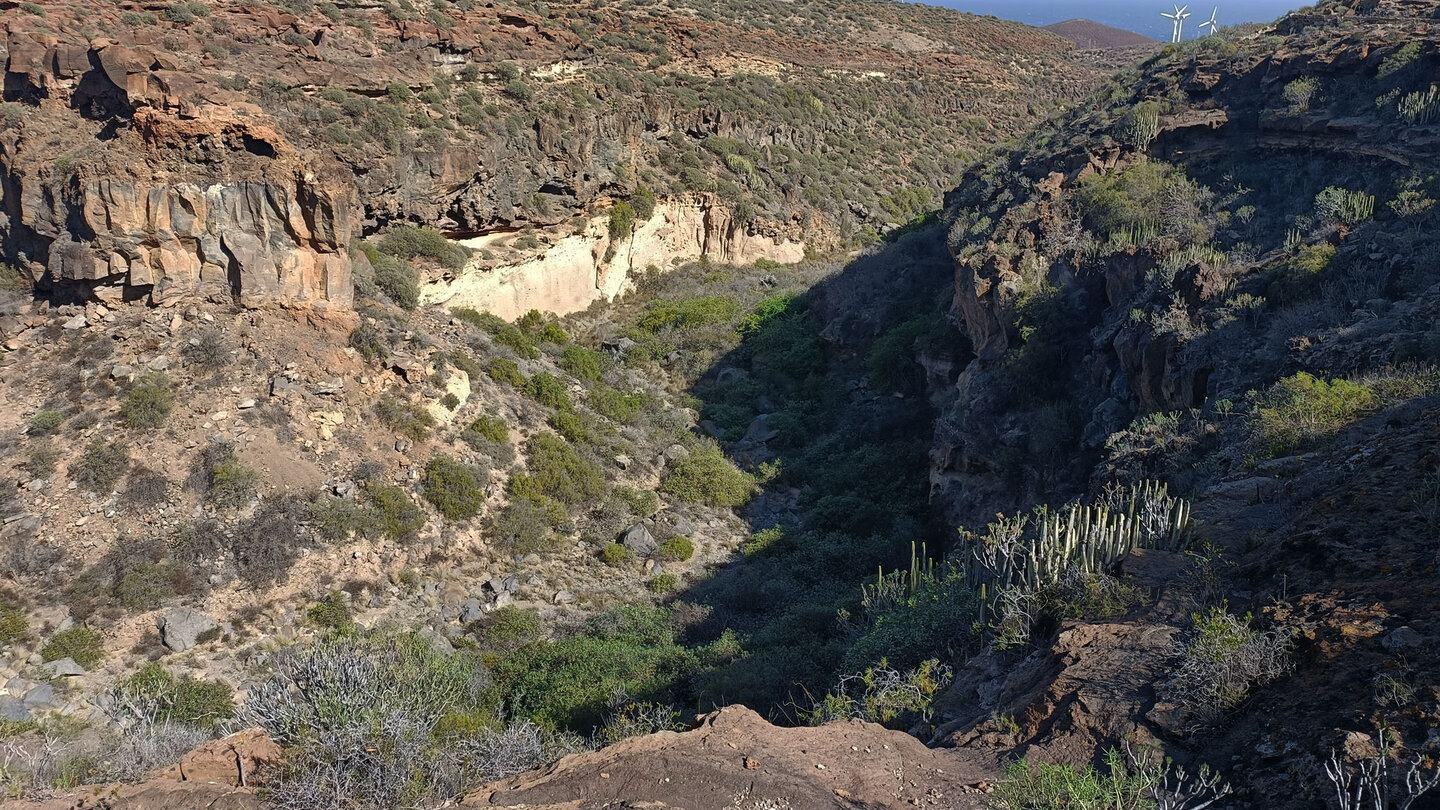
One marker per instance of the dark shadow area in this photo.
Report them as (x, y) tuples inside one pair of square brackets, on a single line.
[(825, 399)]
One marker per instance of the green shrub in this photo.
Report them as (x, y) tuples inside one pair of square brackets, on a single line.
[(1133, 781), (465, 361), (150, 400), (490, 427), (527, 523), (548, 390), (643, 204), (1300, 93), (189, 701), (394, 277), (13, 624), (146, 584), (396, 515), (1222, 660), (512, 336), (231, 482), (1300, 279), (706, 476), (505, 371), (518, 89), (487, 322), (336, 519), (937, 615), (46, 421), (370, 342), (893, 363), (663, 583), (332, 612), (587, 364), (622, 219), (100, 466), (510, 628), (882, 694), (616, 405), (391, 718), (40, 459), (783, 331), (569, 683), (405, 417), (678, 548), (615, 554), (77, 642), (1299, 410), (455, 489), (642, 503), (571, 425), (763, 542), (558, 471), (409, 243), (688, 313)]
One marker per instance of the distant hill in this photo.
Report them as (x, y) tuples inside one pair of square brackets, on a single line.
[(1090, 35)]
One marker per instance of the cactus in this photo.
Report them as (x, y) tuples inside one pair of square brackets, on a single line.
[(1027, 553), (1141, 126), (1090, 538), (1357, 207), (1420, 108)]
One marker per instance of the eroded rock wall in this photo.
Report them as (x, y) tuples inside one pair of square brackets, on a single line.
[(189, 199), (580, 269)]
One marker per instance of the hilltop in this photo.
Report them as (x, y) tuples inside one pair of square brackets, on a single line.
[(1088, 35)]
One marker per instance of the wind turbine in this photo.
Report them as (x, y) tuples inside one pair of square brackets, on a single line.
[(1212, 23), (1179, 18)]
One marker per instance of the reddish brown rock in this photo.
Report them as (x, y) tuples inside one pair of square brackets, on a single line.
[(735, 758)]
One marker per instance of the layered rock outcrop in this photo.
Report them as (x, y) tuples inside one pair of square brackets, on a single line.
[(153, 191)]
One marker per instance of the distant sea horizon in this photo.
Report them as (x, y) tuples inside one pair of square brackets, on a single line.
[(1131, 15)]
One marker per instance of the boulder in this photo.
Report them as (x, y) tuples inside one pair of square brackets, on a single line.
[(760, 430), (471, 610), (734, 758), (64, 668), (181, 627), (234, 760), (639, 541), (1402, 638), (41, 695), (13, 709)]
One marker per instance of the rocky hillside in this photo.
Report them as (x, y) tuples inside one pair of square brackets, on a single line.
[(1115, 477), (1220, 274), (204, 151)]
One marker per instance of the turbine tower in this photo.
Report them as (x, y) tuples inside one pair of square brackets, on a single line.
[(1179, 18), (1213, 23)]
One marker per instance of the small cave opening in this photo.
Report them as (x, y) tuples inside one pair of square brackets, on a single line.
[(256, 146)]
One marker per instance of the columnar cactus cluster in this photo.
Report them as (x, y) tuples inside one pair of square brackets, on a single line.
[(1091, 538), (1420, 108)]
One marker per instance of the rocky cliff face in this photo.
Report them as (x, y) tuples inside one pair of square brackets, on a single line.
[(1079, 329), (225, 150), (572, 272), (185, 200)]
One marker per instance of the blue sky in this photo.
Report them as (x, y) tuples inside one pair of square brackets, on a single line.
[(1142, 16)]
